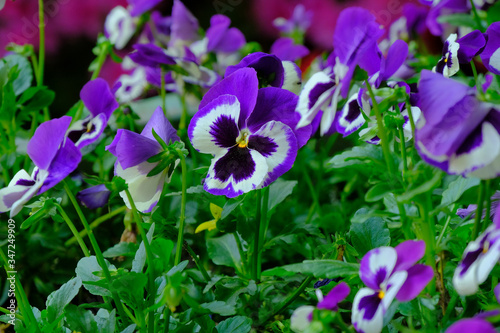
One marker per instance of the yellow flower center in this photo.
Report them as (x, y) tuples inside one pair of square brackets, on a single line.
[(381, 294), (242, 139)]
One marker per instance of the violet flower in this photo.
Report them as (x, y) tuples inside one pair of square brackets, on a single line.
[(457, 132), (222, 38), (131, 85), (285, 49), (94, 197), (99, 100), (249, 133), (448, 64), (479, 258), (302, 316), (139, 7), (184, 27), (470, 211), (119, 27), (132, 152), (444, 7), (300, 20), (491, 53), (54, 157), (388, 273), (471, 45), (151, 55), (471, 325)]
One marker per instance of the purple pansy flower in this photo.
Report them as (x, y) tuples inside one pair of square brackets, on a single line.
[(221, 38), (300, 20), (285, 49), (457, 132), (99, 100), (139, 7), (471, 45), (132, 152), (442, 8), (54, 157), (479, 258), (302, 316), (471, 325), (491, 52), (388, 273), (184, 27), (248, 131), (470, 211), (355, 42), (151, 55), (94, 197), (131, 85), (119, 27)]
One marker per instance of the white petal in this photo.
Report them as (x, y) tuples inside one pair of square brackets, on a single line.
[(292, 81), (120, 27), (132, 85), (299, 321), (329, 113), (495, 60), (375, 324)]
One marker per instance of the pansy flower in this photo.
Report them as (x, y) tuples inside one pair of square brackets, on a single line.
[(94, 197), (139, 7), (479, 258), (300, 20), (101, 103), (471, 325), (54, 156), (302, 316), (249, 132), (285, 49), (132, 152), (119, 27), (491, 53), (388, 273), (457, 132)]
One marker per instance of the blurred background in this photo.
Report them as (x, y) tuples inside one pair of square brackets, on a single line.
[(72, 27)]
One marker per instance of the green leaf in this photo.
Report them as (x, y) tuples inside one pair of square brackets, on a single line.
[(106, 321), (458, 20), (370, 234), (378, 192), (85, 270), (130, 286), (493, 13), (224, 251), (456, 188), (8, 107), (319, 268), (279, 190), (80, 320), (424, 187), (364, 158), (238, 324), (41, 209), (126, 249), (229, 206), (140, 256), (219, 307), (57, 300), (23, 80), (42, 98)]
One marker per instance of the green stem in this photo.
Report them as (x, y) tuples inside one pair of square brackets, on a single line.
[(403, 151), (381, 131), (476, 16), (95, 224), (149, 259), (256, 249), (478, 84), (264, 226), (95, 246), (410, 117), (163, 92), (101, 58), (428, 234), (450, 309), (487, 195), (339, 321), (196, 260), (448, 220), (73, 229), (182, 218), (166, 317), (41, 46), (479, 211), (244, 269), (183, 121), (290, 299)]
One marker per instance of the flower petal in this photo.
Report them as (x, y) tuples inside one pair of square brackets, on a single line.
[(215, 126), (367, 314), (162, 127), (409, 252), (268, 67), (491, 53), (65, 162), (418, 277), (91, 132), (94, 197), (119, 27), (184, 25), (18, 186), (132, 149), (471, 325), (336, 295), (97, 97), (377, 266), (350, 117), (299, 321)]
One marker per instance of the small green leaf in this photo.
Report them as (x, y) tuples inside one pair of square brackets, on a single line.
[(279, 191), (23, 80), (41, 99), (130, 286), (224, 251), (85, 270), (80, 320), (57, 300), (126, 249), (140, 256), (456, 188), (319, 268), (106, 321), (459, 20), (370, 234), (238, 324), (377, 192), (219, 307)]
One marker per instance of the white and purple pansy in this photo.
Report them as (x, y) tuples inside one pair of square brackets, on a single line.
[(99, 100), (388, 273), (248, 131), (491, 53), (457, 132), (132, 152), (448, 64), (479, 258), (54, 156), (119, 27), (139, 7)]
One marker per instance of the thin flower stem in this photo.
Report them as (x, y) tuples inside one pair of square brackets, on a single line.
[(448, 220), (163, 92), (41, 46), (487, 197), (264, 224), (290, 299), (381, 131), (476, 17), (410, 117), (101, 58), (149, 259), (73, 229), (403, 151), (450, 308), (95, 224), (339, 321), (166, 317), (256, 249), (21, 298), (244, 269), (184, 115), (478, 84), (182, 218), (196, 260), (479, 210), (97, 250)]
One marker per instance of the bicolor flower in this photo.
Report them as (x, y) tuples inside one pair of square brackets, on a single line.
[(491, 53), (132, 152), (119, 27), (355, 42), (131, 85), (448, 64), (457, 132), (388, 273), (249, 133), (99, 100), (302, 316), (54, 156), (479, 258)]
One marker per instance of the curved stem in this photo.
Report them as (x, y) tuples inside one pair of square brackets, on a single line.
[(196, 260), (182, 218), (73, 229), (479, 211)]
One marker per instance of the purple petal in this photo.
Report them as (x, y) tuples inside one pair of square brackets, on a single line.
[(91, 131), (409, 252), (44, 145), (132, 149), (214, 128), (94, 197), (65, 162), (184, 24), (418, 277), (97, 97), (278, 104), (221, 38), (285, 49), (243, 84), (470, 46), (444, 7), (396, 57), (351, 117), (367, 313), (377, 266), (336, 295), (268, 67), (491, 52), (162, 127), (150, 55), (292, 80), (18, 186), (471, 325), (138, 7), (415, 18)]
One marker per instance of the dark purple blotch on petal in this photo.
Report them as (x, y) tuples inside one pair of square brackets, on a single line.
[(25, 182), (269, 68), (237, 163), (225, 131), (370, 304), (265, 146), (150, 55), (317, 91)]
